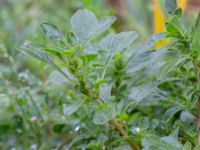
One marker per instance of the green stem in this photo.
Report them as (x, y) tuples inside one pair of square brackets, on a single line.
[(115, 123)]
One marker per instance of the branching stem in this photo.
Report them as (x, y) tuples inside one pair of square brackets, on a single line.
[(115, 123)]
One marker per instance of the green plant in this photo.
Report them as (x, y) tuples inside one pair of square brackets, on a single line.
[(182, 98), (87, 76), (115, 93)]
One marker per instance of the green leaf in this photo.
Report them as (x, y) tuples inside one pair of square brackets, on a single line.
[(52, 51), (51, 31), (170, 5), (144, 123), (21, 101), (69, 52), (37, 53), (102, 25), (155, 143), (172, 30), (176, 21), (86, 26), (82, 22), (42, 56), (187, 117), (141, 92), (69, 109), (170, 61), (172, 141), (57, 128), (104, 115), (170, 113), (141, 60), (142, 54), (175, 27), (152, 40), (187, 146), (115, 43), (57, 77), (99, 82), (178, 12), (195, 42), (154, 123), (59, 52), (90, 57), (118, 42), (105, 92), (143, 57), (71, 38)]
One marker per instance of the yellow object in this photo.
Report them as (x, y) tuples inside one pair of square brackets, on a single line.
[(182, 4), (159, 19), (159, 22)]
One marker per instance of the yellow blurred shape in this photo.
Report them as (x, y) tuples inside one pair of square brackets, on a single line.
[(159, 22), (159, 19), (182, 4)]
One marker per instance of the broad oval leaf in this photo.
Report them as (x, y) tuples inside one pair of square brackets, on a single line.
[(82, 22), (101, 26), (86, 26)]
